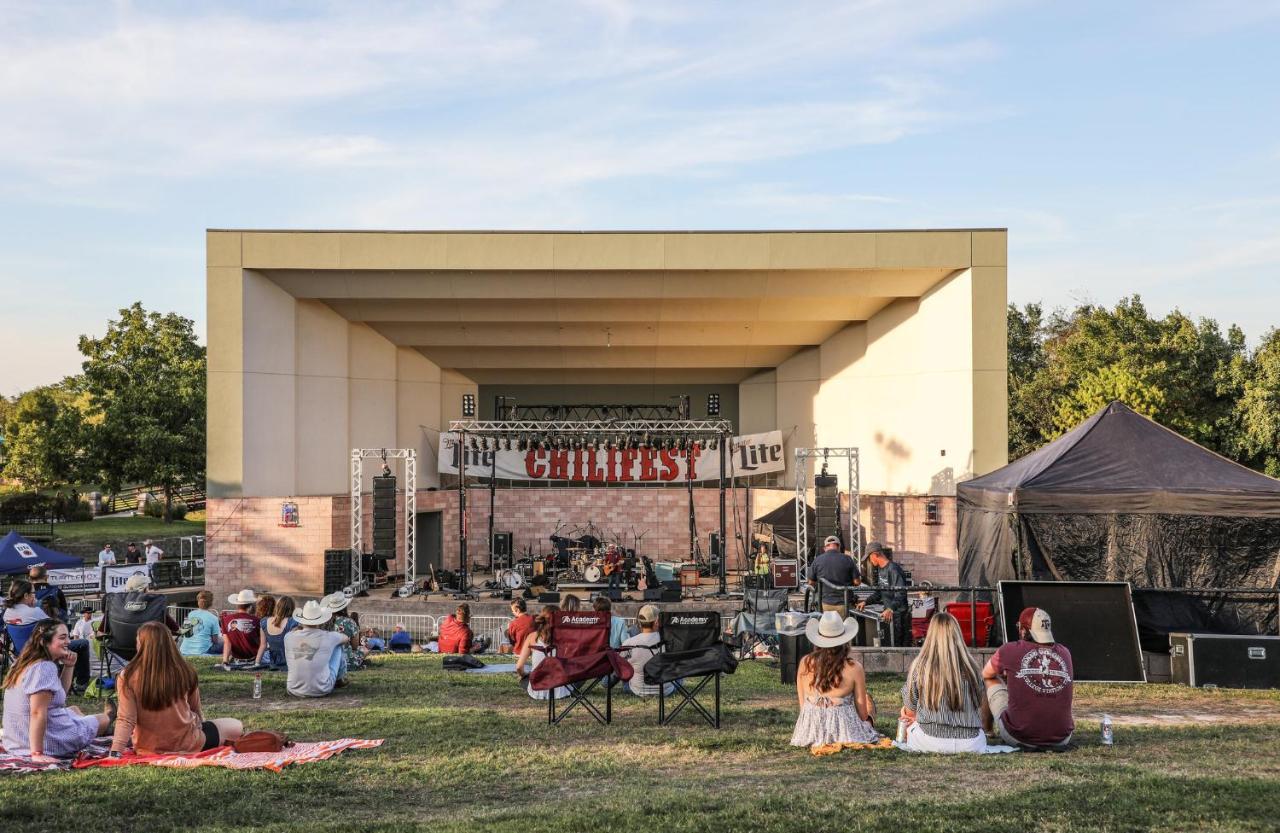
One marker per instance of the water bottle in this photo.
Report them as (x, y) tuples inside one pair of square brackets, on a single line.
[(257, 690), (902, 730), (1107, 737)]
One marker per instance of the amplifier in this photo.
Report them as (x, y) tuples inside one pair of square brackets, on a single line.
[(1228, 661), (614, 594), (661, 594), (785, 573), (549, 598)]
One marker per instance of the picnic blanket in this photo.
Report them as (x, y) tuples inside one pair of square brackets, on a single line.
[(16, 765), (226, 757), (992, 749)]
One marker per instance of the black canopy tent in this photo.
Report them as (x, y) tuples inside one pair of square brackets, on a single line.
[(1121, 498), (781, 523)]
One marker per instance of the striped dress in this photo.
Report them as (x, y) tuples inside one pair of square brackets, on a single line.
[(943, 722)]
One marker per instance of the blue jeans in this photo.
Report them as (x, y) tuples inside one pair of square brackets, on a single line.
[(81, 647), (338, 663)]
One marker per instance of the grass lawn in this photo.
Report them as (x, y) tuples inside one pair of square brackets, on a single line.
[(125, 529), (472, 752)]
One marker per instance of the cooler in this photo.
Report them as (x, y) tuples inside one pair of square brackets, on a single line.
[(982, 613)]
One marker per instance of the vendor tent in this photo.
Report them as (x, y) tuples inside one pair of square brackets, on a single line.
[(17, 555), (781, 524), (1121, 498)]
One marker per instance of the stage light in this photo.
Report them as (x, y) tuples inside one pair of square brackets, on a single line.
[(522, 444), (682, 444), (475, 446), (468, 404), (713, 444), (713, 404)]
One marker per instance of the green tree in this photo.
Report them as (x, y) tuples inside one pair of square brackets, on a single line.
[(43, 437), (1028, 414), (146, 384), (1259, 406)]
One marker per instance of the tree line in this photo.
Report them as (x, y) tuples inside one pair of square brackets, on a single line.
[(1187, 375), (134, 415)]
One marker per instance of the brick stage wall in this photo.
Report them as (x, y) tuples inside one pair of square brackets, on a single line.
[(246, 547)]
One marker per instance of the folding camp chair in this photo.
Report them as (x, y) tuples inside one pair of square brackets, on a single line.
[(755, 624), (579, 659), (691, 650), (15, 639)]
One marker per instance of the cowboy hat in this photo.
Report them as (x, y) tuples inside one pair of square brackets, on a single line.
[(244, 597), (830, 630), (335, 602), (312, 613), (137, 582)]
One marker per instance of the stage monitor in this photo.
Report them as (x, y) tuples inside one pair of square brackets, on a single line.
[(1094, 619)]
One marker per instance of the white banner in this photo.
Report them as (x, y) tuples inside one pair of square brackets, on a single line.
[(114, 578), (76, 580), (749, 454)]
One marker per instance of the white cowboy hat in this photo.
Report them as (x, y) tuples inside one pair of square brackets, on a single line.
[(244, 597), (830, 630), (136, 582), (312, 613), (335, 602)]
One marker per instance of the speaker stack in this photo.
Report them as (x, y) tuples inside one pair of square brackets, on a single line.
[(337, 570), (502, 549), (384, 520), (826, 505)]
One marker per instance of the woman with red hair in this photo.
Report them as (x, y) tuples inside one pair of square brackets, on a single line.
[(159, 709)]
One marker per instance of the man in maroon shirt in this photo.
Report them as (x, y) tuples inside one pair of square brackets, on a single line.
[(521, 625), (1029, 687), (240, 628)]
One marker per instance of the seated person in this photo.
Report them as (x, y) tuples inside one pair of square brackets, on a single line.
[(21, 609), (201, 630), (835, 706), (1029, 687), (159, 695), (274, 628), (455, 632), (83, 628), (264, 607), (534, 650), (348, 624), (37, 722), (400, 642), (639, 649), (241, 632), (39, 578), (619, 631), (316, 662), (943, 696), (519, 627)]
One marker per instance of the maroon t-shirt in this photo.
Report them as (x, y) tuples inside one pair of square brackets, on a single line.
[(520, 627), (1039, 679), (241, 629)]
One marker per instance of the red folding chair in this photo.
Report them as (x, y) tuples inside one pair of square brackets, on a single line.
[(579, 659)]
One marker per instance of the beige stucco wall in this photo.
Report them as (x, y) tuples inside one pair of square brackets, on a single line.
[(293, 385)]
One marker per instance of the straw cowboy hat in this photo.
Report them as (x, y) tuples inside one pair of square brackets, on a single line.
[(831, 630), (313, 613), (244, 597), (137, 582), (335, 602)]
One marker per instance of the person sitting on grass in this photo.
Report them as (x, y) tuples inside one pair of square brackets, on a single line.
[(241, 632), (39, 578), (639, 649), (317, 664), (456, 636), (943, 696), (274, 629), (1030, 687), (534, 650), (518, 628), (400, 642), (21, 609), (835, 706), (200, 630), (264, 607), (619, 631), (572, 603), (38, 724), (160, 709), (83, 628), (348, 624)]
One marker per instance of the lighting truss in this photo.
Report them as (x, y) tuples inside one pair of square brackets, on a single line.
[(358, 455), (515, 427), (803, 552), (598, 413)]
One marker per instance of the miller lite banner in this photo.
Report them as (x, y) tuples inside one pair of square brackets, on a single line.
[(749, 454)]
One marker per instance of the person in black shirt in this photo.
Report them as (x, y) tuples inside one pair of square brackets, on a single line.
[(891, 591), (837, 568)]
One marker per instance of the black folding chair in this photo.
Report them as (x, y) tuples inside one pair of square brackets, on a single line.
[(691, 650)]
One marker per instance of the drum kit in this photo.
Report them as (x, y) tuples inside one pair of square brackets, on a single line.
[(580, 555)]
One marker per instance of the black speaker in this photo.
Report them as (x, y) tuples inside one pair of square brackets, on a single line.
[(384, 516), (549, 598), (1094, 619), (653, 594), (791, 649), (1199, 659), (826, 506), (669, 595), (502, 545), (672, 584), (337, 570), (614, 594)]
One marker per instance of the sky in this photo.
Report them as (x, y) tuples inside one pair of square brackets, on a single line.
[(1128, 147)]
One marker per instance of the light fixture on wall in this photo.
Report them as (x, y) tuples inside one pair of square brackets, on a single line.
[(713, 404), (469, 405)]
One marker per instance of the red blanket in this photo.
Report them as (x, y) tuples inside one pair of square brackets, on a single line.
[(224, 756)]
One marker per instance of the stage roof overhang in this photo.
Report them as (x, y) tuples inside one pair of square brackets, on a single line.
[(610, 307)]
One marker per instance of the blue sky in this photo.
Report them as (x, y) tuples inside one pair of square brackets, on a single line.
[(1128, 147)]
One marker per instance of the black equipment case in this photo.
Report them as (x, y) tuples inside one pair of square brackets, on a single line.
[(1199, 659)]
